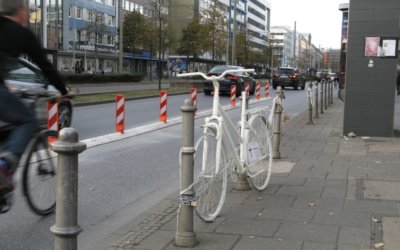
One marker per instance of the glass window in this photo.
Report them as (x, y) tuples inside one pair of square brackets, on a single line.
[(78, 12)]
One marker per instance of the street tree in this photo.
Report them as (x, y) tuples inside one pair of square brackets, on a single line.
[(134, 25), (192, 40), (214, 21)]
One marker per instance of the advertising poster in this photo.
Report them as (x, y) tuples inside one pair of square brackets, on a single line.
[(372, 46)]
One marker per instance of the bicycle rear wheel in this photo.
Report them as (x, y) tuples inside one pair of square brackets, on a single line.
[(258, 153), (210, 180), (39, 174)]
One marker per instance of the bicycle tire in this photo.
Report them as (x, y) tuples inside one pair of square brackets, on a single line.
[(40, 192), (210, 184), (258, 153)]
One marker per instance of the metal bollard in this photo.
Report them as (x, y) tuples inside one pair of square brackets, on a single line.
[(185, 236), (326, 95), (322, 96), (276, 138), (316, 101), (309, 91), (66, 228), (332, 89), (242, 184)]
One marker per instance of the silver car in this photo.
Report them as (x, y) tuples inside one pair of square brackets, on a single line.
[(25, 75)]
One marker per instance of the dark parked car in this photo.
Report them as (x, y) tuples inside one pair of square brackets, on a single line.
[(240, 79), (25, 75), (288, 77)]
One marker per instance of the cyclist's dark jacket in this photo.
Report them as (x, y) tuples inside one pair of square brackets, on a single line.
[(16, 40)]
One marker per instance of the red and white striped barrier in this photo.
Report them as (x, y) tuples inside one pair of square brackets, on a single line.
[(163, 106), (258, 90), (247, 88), (120, 113), (233, 95), (52, 116), (193, 96), (52, 119), (266, 93)]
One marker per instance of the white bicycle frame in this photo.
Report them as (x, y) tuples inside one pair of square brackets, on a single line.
[(223, 124)]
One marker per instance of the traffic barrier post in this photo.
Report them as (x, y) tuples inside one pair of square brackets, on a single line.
[(233, 95), (120, 113), (193, 97), (266, 90), (257, 90), (247, 89), (52, 119), (163, 106), (66, 228)]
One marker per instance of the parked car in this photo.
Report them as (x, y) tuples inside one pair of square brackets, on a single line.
[(240, 79), (25, 75), (288, 77)]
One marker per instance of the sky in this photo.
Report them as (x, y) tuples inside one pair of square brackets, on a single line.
[(321, 18)]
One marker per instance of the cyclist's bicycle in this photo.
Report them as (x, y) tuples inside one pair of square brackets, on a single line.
[(38, 162), (216, 152)]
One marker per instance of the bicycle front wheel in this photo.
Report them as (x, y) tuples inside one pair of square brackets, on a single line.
[(39, 174), (258, 153), (210, 176)]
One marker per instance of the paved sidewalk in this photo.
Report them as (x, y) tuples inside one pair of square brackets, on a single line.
[(328, 192)]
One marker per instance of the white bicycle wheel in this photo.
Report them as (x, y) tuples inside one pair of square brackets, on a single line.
[(210, 180), (258, 153)]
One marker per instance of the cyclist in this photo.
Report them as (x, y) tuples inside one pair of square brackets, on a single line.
[(15, 40)]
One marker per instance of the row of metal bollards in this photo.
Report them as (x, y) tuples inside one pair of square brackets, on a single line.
[(185, 235), (325, 95)]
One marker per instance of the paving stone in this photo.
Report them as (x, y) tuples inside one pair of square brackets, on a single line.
[(391, 229), (287, 214), (307, 232), (326, 183), (347, 218), (251, 227), (199, 224), (209, 241), (241, 211), (287, 181), (338, 193), (318, 246), (353, 247), (300, 191), (236, 197), (270, 200), (389, 208), (319, 203), (258, 243), (158, 240), (383, 190), (355, 235)]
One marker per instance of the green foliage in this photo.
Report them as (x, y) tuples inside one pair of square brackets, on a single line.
[(134, 24), (99, 78), (192, 41)]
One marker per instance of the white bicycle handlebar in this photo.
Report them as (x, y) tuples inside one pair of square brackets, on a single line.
[(210, 78)]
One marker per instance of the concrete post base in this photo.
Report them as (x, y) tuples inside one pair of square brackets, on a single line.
[(242, 184), (185, 239)]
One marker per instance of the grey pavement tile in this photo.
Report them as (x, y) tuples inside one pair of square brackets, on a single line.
[(236, 197), (287, 214), (300, 191), (157, 241), (389, 208), (336, 176), (198, 224), (355, 235), (288, 181), (307, 232), (318, 246), (319, 203), (241, 211), (338, 193), (343, 218), (210, 242), (250, 227), (326, 183), (270, 201), (353, 247), (257, 243), (302, 166)]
